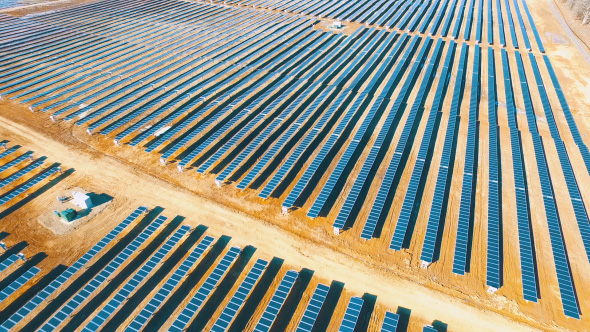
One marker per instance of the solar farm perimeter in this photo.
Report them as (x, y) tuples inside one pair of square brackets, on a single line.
[(431, 153)]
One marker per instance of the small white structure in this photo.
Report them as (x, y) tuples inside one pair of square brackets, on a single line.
[(425, 264), (492, 290), (81, 200), (337, 231), (337, 25)]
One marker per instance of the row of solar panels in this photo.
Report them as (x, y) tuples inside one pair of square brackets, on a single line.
[(299, 117), (149, 244), (15, 272), (564, 277), (417, 16), (20, 172)]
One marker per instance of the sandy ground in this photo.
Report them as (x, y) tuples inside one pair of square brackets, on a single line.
[(135, 178), (329, 258)]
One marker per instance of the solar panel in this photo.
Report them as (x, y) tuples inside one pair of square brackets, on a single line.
[(464, 223), (8, 152), (390, 322), (276, 302), (18, 283), (285, 137), (237, 301), (82, 295), (494, 268), (570, 179), (428, 328), (20, 173), (15, 161), (105, 313), (156, 301), (313, 308), (402, 148), (8, 262), (205, 290), (527, 263), (67, 274), (360, 134), (436, 211), (560, 256), (27, 185), (351, 316)]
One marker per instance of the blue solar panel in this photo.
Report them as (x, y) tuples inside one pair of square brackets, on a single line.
[(8, 262), (27, 185), (527, 263), (564, 277), (380, 102), (15, 161), (429, 328), (288, 134), (494, 245), (390, 322), (469, 176), (237, 301), (102, 316), (156, 301), (276, 302), (8, 152), (67, 274), (82, 295), (351, 316), (20, 173), (403, 147), (205, 290), (18, 283), (313, 308), (436, 210)]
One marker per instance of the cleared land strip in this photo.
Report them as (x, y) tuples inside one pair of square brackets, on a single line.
[(326, 261)]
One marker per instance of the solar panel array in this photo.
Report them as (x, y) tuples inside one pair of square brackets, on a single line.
[(529, 282), (81, 296), (237, 301), (494, 244), (205, 290), (263, 99), (172, 282), (276, 302), (136, 280), (390, 322), (445, 19), (313, 308), (465, 224), (18, 283), (136, 300), (60, 280), (351, 315), (21, 172)]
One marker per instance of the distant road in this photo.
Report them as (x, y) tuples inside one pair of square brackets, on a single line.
[(569, 31)]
